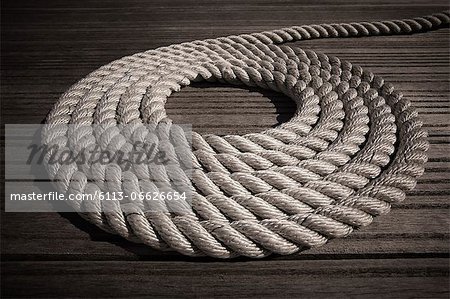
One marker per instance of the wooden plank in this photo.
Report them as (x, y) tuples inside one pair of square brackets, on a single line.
[(310, 279)]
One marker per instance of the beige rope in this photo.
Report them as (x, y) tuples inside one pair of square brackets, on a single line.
[(353, 147)]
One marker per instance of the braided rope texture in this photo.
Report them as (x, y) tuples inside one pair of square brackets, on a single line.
[(353, 147)]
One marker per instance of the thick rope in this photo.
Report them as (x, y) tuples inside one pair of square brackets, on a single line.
[(353, 147)]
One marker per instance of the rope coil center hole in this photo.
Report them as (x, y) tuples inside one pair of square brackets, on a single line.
[(222, 109)]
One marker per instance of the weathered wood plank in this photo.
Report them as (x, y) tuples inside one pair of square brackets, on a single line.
[(309, 279)]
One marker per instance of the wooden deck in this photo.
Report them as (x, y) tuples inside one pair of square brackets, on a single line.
[(48, 45)]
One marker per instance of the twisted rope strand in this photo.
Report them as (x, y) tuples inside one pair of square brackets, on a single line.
[(353, 147)]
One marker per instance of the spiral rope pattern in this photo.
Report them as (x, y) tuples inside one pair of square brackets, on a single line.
[(353, 147)]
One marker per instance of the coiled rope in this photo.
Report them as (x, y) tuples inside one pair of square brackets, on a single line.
[(354, 146)]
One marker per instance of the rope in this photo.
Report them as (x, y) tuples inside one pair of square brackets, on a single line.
[(354, 146)]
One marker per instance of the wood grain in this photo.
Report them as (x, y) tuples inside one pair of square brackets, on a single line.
[(300, 278), (47, 46)]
